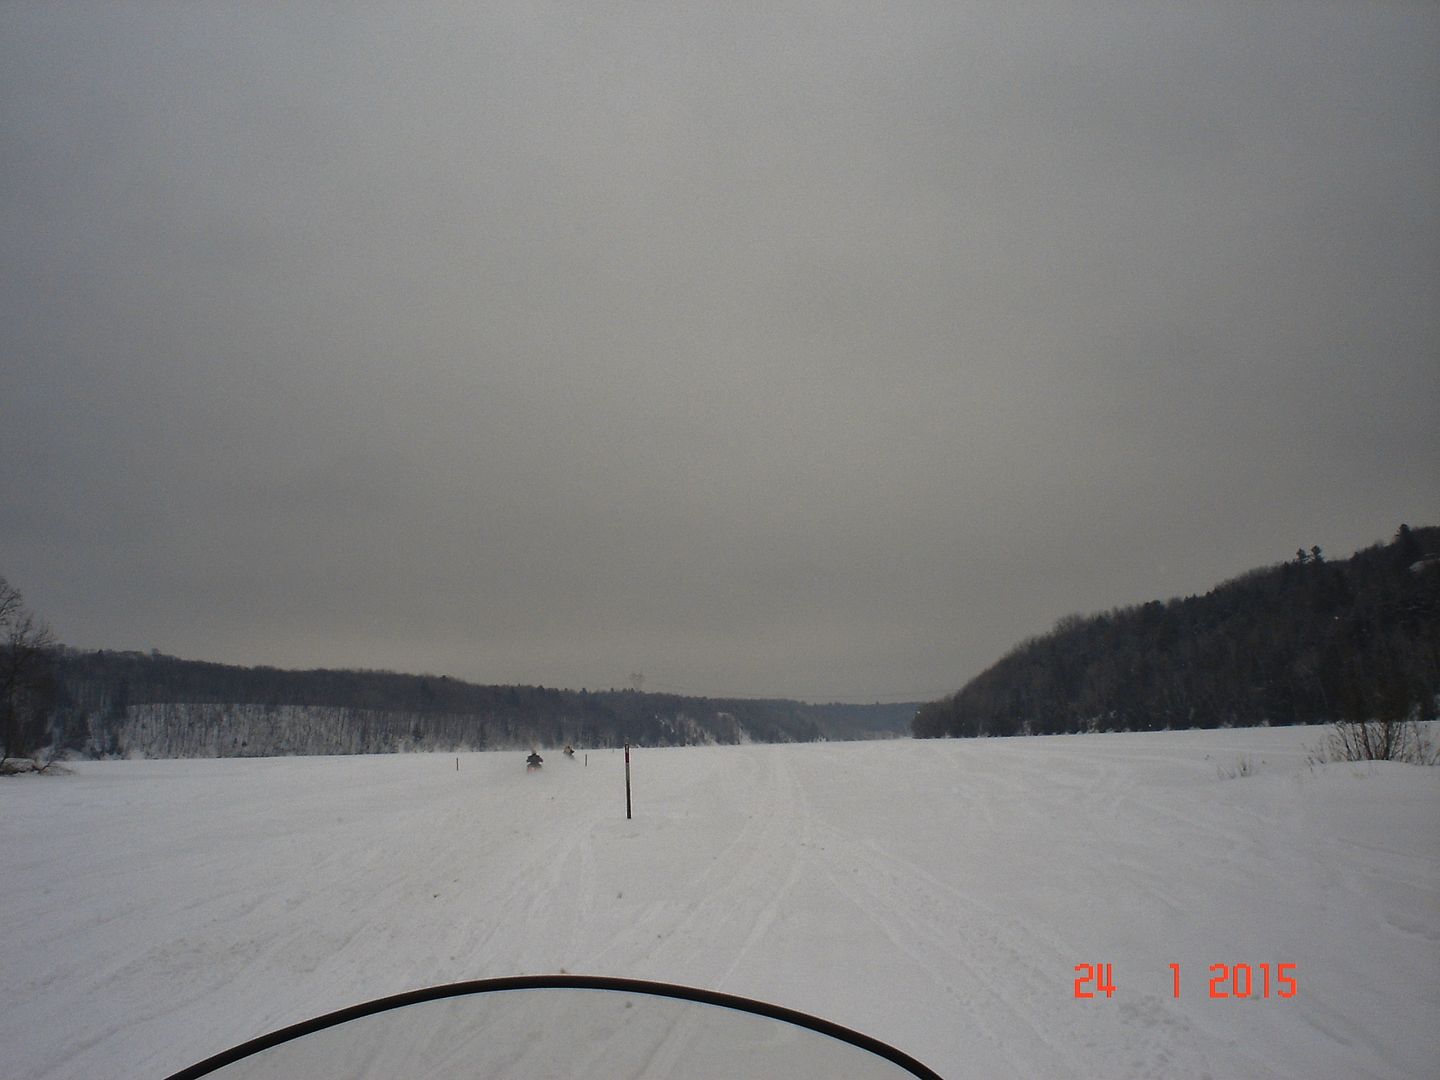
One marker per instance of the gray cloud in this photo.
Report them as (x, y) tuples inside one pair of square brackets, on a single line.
[(813, 351)]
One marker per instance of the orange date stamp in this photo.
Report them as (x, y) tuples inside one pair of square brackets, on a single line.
[(1238, 981)]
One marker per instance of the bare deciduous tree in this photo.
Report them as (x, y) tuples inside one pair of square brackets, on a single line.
[(25, 649)]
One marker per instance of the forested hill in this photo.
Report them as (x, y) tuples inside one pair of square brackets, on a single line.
[(1309, 641), (129, 702)]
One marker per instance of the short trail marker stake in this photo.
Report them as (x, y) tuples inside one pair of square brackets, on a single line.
[(627, 781)]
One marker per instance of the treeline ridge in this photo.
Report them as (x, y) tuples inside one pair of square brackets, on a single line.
[(1307, 641)]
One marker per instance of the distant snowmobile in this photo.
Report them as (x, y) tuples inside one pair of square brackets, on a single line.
[(533, 762), (570, 751)]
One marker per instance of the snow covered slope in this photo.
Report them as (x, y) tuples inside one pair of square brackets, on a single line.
[(937, 895)]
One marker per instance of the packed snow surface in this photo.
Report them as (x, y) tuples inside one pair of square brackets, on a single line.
[(936, 895)]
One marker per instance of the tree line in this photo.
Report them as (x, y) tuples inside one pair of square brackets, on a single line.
[(1308, 641), (117, 703)]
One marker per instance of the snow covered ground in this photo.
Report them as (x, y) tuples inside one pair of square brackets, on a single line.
[(936, 895)]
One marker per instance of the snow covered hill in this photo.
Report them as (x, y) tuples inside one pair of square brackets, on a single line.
[(937, 895)]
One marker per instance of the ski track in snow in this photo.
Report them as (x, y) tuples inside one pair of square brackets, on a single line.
[(937, 895)]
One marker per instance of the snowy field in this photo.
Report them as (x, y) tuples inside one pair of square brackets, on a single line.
[(936, 895)]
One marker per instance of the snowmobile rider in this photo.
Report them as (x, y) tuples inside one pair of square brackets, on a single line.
[(534, 761)]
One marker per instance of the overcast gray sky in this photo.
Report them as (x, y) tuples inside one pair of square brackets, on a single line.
[(821, 350)]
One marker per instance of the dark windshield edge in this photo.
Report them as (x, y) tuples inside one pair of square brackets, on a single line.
[(557, 982)]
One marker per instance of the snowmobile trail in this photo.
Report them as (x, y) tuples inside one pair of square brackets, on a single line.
[(935, 895), (753, 870), (697, 866), (1004, 974)]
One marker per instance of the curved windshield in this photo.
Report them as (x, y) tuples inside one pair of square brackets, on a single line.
[(560, 1027)]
